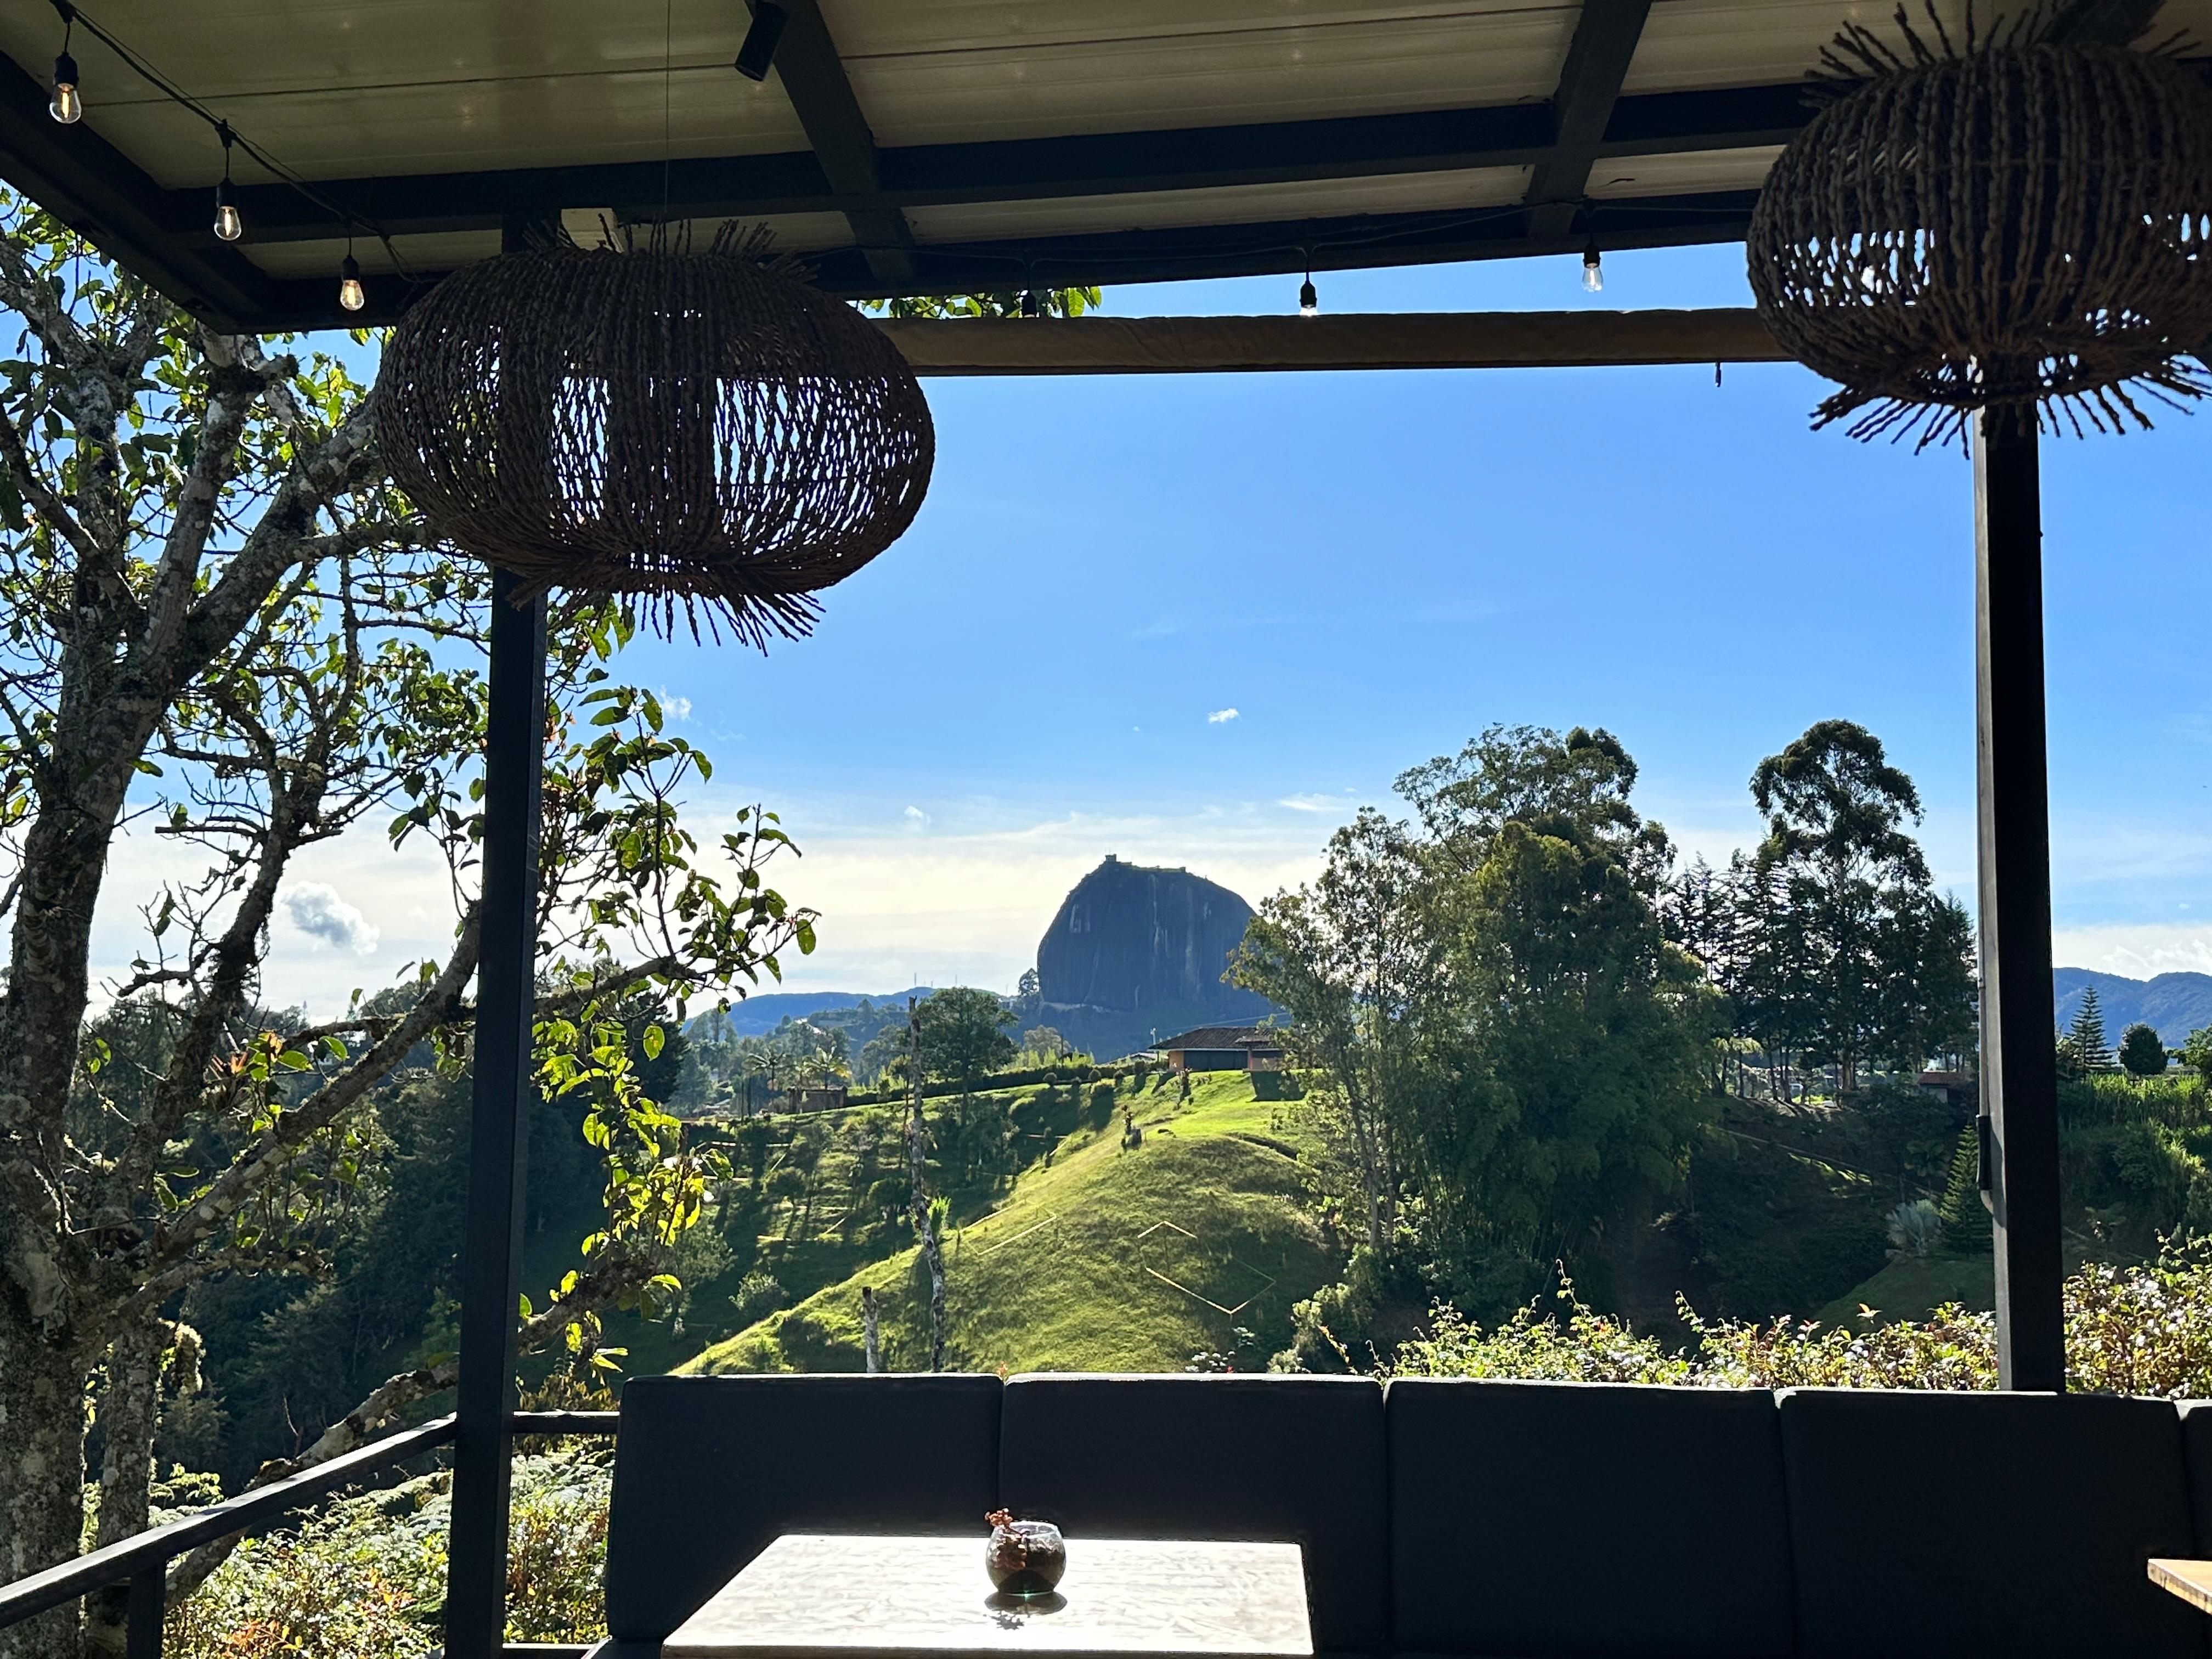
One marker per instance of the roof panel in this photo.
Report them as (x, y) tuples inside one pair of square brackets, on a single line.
[(1693, 44), (1281, 72), (1694, 174), (1474, 189)]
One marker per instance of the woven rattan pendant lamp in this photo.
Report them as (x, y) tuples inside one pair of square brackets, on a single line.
[(2001, 221), (702, 429)]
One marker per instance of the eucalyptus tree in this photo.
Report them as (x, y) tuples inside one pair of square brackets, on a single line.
[(224, 639)]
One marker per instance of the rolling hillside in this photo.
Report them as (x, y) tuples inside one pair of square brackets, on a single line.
[(1111, 1260), (2174, 1004)]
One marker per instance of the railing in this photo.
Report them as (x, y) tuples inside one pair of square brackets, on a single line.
[(142, 1562)]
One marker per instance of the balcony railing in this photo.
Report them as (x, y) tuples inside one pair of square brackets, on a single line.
[(142, 1562)]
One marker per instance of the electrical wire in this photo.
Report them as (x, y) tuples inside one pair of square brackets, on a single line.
[(346, 219)]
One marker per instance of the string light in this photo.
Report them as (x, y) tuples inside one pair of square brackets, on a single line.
[(227, 224), (67, 107), (351, 294), (759, 50), (1593, 269), (1029, 306), (1309, 296)]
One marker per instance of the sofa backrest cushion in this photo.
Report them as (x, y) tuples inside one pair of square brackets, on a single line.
[(709, 1470), (1285, 1459), (1544, 1518), (2197, 1463), (1955, 1526)]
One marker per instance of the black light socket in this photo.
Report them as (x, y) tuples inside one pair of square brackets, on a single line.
[(758, 52), (1029, 307)]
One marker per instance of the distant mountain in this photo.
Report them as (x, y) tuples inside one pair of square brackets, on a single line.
[(2173, 1004), (757, 1016)]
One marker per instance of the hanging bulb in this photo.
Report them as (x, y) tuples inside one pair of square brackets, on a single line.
[(1309, 299), (67, 108), (1029, 307), (350, 294), (1592, 271), (227, 224)]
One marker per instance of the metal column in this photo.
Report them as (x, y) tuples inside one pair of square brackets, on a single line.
[(2019, 1065), (499, 1122)]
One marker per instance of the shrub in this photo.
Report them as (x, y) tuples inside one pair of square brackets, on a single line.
[(366, 1579), (2145, 1329)]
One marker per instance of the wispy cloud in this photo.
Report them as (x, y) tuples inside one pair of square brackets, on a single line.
[(1313, 803), (915, 817), (1221, 717), (674, 706), (317, 910)]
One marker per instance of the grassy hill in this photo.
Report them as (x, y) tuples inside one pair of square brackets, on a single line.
[(1110, 1259)]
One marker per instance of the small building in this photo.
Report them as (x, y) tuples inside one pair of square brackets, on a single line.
[(1224, 1048)]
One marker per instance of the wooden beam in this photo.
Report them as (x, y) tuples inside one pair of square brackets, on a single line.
[(1589, 85), (1184, 346), (821, 93)]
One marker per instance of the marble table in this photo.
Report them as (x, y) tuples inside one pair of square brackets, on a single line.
[(812, 1596)]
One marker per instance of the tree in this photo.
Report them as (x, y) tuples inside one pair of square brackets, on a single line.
[(2143, 1053), (2086, 1034), (1349, 960), (963, 1035), (1858, 956), (1514, 1051), (224, 633)]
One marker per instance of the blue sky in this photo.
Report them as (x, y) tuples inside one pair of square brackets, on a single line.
[(1368, 569)]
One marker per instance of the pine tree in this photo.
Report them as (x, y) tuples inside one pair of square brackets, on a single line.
[(1966, 1218), (2087, 1033)]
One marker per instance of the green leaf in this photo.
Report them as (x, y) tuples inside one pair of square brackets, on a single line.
[(653, 1040)]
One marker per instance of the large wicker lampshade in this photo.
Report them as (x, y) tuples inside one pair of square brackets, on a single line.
[(695, 427), (2018, 223)]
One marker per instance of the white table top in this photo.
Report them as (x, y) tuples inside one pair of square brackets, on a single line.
[(812, 1596)]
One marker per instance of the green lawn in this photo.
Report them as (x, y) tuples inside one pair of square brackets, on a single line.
[(1108, 1261)]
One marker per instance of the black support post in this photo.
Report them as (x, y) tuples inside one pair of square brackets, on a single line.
[(499, 1119), (2019, 1064), (145, 1603)]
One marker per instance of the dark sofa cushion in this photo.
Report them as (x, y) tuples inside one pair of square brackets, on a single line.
[(709, 1470), (2197, 1463), (1557, 1518), (1281, 1459), (1980, 1525)]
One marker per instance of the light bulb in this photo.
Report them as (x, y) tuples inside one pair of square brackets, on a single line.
[(350, 295), (1029, 307), (227, 224), (1309, 299), (1592, 271), (67, 108)]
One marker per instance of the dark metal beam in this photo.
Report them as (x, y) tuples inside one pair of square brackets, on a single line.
[(2020, 1056), (821, 93), (1102, 164), (1153, 256), (2104, 22), (1589, 85)]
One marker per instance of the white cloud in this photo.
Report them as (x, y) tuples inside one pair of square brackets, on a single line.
[(316, 910), (1310, 803), (915, 817), (2139, 951), (674, 706), (1221, 717)]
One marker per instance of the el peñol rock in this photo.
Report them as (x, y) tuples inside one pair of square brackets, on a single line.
[(1136, 951)]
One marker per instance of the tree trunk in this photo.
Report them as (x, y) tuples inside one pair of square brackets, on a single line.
[(925, 1219), (128, 1407), (42, 1491), (870, 1343)]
